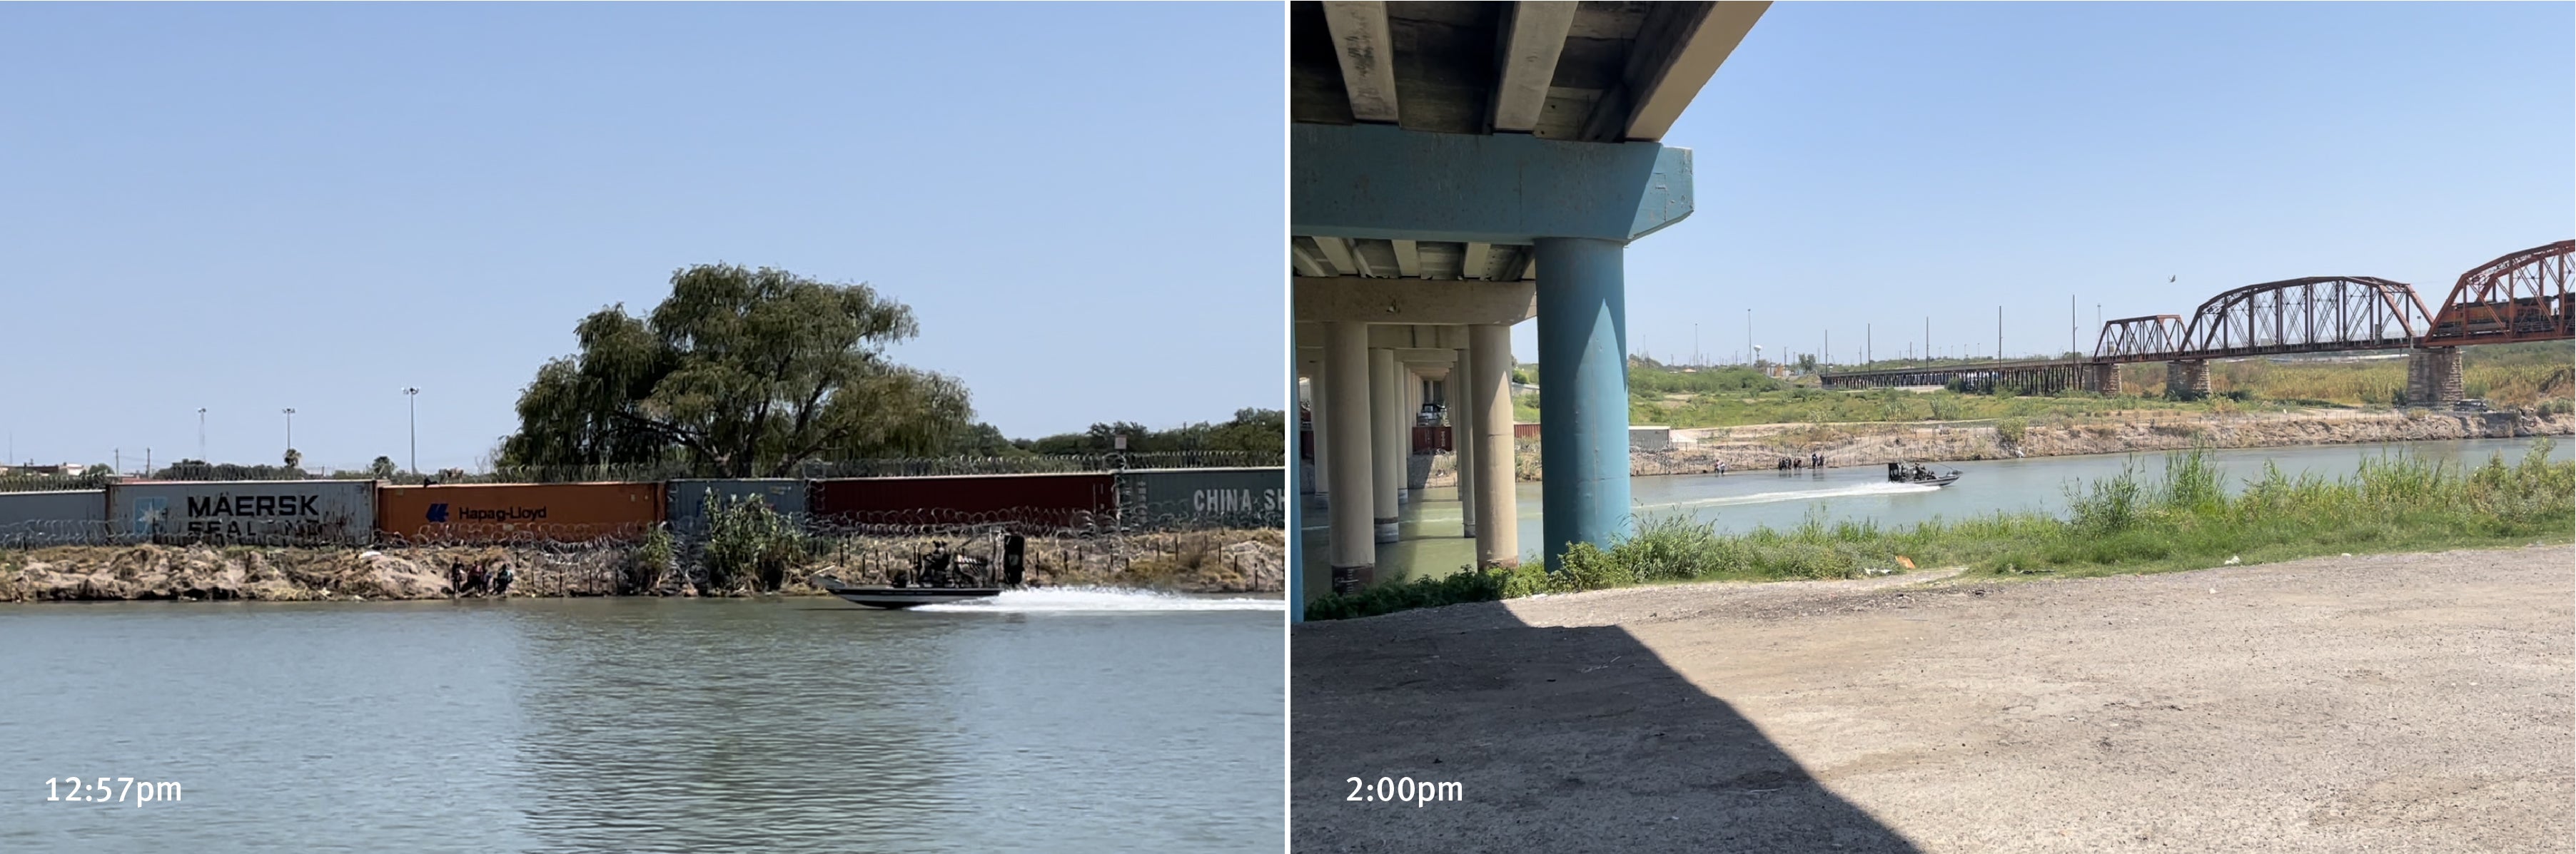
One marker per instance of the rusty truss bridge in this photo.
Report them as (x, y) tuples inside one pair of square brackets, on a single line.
[(2521, 296)]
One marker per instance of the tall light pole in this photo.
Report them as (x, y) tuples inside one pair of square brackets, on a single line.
[(201, 434), (290, 428), (414, 394), (1748, 333)]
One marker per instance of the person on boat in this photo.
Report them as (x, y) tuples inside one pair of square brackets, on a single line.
[(934, 566)]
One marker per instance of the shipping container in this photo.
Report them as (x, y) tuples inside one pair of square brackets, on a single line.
[(252, 512), (69, 517), (688, 498), (519, 512), (1069, 500), (1234, 497)]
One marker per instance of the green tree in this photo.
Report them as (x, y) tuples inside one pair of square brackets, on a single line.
[(740, 372), (382, 469), (294, 459)]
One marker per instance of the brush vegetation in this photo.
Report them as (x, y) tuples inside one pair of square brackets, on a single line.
[(2536, 375), (2183, 519)]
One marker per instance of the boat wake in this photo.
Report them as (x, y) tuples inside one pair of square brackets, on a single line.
[(1102, 600), (1852, 491)]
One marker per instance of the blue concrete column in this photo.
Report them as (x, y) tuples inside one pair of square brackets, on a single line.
[(1583, 392)]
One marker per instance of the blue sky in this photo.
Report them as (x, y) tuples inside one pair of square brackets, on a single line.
[(249, 208), (1883, 163)]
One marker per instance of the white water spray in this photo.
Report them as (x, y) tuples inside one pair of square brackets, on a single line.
[(1102, 600)]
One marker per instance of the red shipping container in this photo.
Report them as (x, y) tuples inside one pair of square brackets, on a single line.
[(1046, 500)]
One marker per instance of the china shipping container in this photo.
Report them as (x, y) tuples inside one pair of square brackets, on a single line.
[(1070, 500), (1240, 497), (688, 498), (67, 517), (514, 512), (253, 512)]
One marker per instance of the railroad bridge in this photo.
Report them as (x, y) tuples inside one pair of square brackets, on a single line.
[(2520, 296)]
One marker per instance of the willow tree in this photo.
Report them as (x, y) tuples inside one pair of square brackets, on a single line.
[(739, 373)]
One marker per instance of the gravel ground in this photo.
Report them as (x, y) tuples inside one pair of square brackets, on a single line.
[(2417, 702)]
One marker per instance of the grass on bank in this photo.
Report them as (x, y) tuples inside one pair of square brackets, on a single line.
[(2124, 523), (2506, 375)]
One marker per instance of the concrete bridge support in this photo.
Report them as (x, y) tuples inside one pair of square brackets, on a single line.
[(1388, 448), (1462, 437), (2187, 380), (1582, 363), (1344, 426), (2102, 378), (1489, 393), (2433, 376)]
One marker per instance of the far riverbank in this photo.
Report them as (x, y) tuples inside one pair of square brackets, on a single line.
[(1875, 444)]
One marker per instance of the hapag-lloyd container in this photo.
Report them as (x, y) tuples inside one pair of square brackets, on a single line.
[(274, 512), (513, 512)]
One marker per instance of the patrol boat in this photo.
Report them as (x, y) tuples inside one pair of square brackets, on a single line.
[(937, 577)]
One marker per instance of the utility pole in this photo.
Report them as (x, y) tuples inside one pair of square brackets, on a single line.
[(1865, 335), (414, 394), (1748, 331), (1999, 333), (1829, 348), (290, 429), (201, 434), (1927, 338)]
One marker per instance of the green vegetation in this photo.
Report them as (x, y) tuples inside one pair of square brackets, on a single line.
[(2510, 375), (2394, 503), (1250, 430), (739, 373), (749, 544)]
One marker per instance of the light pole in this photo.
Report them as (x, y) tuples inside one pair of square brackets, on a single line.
[(1748, 334), (201, 434), (414, 394), (290, 428)]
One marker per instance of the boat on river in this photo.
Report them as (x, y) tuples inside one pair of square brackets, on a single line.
[(1922, 474), (936, 577)]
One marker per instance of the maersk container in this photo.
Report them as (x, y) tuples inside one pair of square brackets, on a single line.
[(689, 498), (1237, 497), (69, 517), (1066, 500), (256, 512)]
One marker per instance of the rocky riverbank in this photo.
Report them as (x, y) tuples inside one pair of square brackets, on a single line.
[(1877, 444), (1225, 561)]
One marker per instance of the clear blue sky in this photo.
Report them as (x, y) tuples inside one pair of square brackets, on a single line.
[(1884, 163), (248, 208)]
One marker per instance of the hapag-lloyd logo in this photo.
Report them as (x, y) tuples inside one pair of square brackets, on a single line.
[(438, 514)]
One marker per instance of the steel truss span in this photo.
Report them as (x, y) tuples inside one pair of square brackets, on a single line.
[(2521, 296)]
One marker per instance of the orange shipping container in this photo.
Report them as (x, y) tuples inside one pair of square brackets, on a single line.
[(492, 513)]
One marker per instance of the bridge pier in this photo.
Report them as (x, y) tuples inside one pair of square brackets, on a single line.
[(2102, 378), (2433, 376), (2187, 379)]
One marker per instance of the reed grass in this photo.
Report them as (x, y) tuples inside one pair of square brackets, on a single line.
[(2183, 519)]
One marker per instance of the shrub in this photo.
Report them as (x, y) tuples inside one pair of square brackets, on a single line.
[(2011, 430), (748, 544), (651, 561)]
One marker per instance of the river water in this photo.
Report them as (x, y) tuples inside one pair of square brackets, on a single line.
[(1743, 500), (1046, 721)]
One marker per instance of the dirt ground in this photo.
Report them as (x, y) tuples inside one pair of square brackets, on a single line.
[(2380, 703)]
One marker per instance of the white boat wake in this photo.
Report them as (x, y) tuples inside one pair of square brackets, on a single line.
[(1853, 491), (1102, 600)]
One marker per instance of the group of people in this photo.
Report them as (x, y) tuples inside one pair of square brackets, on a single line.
[(480, 578), (1810, 461)]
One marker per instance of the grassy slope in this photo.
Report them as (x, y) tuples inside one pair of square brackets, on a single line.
[(2504, 375), (2118, 524)]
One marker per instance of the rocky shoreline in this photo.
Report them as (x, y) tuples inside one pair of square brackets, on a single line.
[(1761, 446), (1234, 561)]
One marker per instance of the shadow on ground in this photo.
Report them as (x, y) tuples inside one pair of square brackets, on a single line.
[(1563, 739)]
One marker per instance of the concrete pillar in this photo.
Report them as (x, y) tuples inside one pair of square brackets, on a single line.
[(1323, 480), (1345, 428), (2187, 380), (1583, 397), (1386, 447), (1462, 450), (1489, 393), (2106, 378), (2433, 376)]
